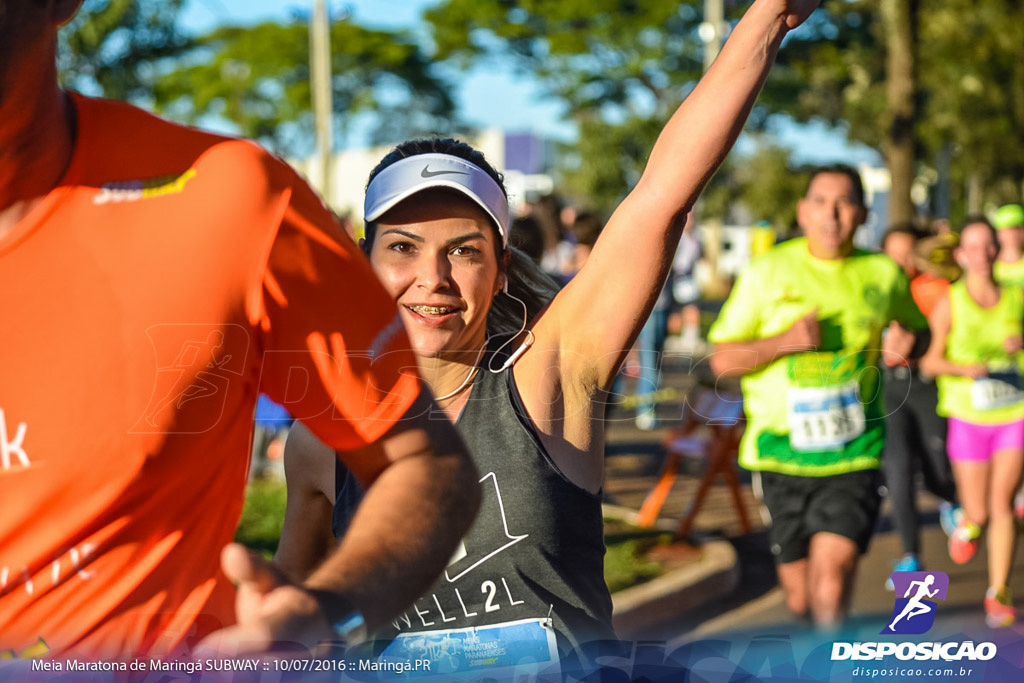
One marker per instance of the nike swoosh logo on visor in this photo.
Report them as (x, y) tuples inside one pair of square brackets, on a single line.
[(427, 173)]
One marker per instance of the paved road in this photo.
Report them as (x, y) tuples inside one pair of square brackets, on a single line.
[(755, 636), (749, 635), (758, 601)]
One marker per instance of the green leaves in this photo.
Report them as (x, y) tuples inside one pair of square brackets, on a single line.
[(116, 46), (970, 84), (258, 78), (620, 66), (254, 77), (591, 53), (975, 88)]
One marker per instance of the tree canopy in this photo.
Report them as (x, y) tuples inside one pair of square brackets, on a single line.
[(258, 78), (113, 47), (623, 65), (974, 90), (254, 77)]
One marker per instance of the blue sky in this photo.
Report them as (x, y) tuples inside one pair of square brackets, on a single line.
[(484, 95), (202, 14)]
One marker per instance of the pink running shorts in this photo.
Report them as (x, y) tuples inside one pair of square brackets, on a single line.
[(970, 442)]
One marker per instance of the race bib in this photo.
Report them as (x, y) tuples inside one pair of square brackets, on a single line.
[(825, 418), (499, 650), (995, 391)]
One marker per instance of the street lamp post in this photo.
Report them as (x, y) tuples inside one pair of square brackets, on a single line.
[(711, 33), (711, 30), (322, 92)]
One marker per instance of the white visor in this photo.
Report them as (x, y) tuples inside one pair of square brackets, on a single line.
[(405, 178)]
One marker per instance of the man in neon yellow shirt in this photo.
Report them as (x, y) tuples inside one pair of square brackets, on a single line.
[(804, 327), (1009, 224)]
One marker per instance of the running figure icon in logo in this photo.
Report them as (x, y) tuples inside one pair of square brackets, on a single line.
[(916, 587)]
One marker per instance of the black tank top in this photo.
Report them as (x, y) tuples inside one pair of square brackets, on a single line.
[(537, 546)]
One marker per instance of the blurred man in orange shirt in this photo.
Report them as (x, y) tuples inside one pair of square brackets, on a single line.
[(165, 276)]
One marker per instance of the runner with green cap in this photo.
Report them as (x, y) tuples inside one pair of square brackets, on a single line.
[(1009, 270), (1009, 224)]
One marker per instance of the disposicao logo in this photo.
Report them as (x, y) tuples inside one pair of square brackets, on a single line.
[(914, 613)]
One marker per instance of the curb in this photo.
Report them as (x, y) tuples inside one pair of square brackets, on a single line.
[(638, 609)]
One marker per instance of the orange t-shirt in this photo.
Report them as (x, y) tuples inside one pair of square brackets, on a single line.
[(169, 278), (927, 289)]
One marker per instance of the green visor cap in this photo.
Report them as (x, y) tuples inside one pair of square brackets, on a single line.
[(1008, 216)]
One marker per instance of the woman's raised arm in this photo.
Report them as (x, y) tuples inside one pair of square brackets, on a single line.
[(595, 319)]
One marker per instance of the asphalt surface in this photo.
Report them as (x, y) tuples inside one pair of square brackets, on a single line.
[(749, 634)]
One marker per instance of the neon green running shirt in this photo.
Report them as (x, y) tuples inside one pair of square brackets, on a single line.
[(1009, 273), (975, 337), (816, 413)]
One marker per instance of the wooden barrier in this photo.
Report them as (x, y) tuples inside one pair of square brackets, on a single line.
[(710, 430)]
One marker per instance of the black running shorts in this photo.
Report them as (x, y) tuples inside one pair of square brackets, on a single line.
[(843, 504)]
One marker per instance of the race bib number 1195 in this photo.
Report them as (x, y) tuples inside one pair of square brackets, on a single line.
[(825, 418)]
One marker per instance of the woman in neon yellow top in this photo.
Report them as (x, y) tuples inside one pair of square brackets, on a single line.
[(976, 355)]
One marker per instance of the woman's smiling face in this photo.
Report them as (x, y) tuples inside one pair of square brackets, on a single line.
[(436, 255), (978, 248)]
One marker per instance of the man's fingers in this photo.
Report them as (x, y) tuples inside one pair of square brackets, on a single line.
[(243, 566)]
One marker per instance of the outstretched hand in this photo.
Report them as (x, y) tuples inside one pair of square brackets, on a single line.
[(795, 12), (270, 610)]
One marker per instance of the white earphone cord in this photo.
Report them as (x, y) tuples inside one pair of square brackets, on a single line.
[(523, 348), (470, 376)]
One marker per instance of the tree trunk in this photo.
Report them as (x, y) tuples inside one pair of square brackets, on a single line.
[(942, 202), (900, 21), (975, 184)]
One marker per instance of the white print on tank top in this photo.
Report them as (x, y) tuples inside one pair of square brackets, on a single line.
[(481, 555), (447, 606), (12, 451)]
